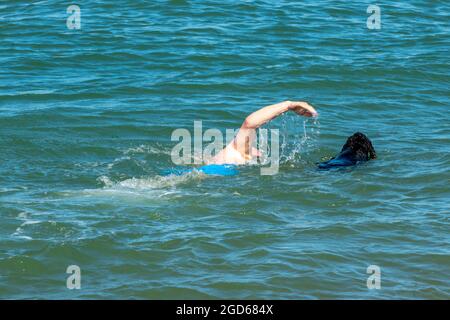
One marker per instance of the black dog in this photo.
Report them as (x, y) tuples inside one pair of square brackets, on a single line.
[(358, 148)]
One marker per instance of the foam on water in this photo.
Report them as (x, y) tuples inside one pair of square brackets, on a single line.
[(148, 149), (155, 187), (151, 183)]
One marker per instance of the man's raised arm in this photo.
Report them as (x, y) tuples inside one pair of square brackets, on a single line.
[(246, 134)]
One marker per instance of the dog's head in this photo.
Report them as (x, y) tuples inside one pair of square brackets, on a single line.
[(360, 146)]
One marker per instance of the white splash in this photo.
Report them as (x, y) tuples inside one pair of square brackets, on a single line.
[(298, 137)]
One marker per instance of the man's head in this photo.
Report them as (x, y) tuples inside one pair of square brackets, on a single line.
[(357, 148), (360, 146)]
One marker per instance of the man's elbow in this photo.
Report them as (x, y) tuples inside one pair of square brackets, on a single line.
[(250, 123)]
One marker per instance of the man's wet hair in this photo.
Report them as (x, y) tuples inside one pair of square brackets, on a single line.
[(361, 146), (358, 148)]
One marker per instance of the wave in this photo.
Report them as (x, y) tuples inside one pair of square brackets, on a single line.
[(150, 183), (147, 149), (155, 187)]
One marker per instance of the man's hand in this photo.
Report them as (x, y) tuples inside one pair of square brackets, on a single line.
[(302, 108)]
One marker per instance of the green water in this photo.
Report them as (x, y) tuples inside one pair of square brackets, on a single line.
[(85, 123)]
